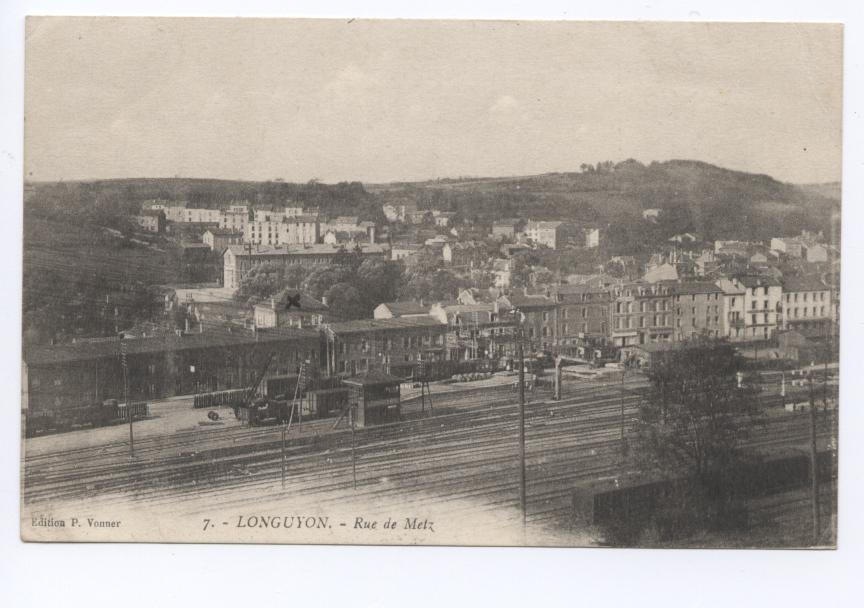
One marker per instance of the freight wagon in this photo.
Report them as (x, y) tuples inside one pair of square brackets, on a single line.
[(64, 419)]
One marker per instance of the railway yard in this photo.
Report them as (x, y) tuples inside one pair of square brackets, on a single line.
[(458, 462)]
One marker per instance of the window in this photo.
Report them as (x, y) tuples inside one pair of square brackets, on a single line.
[(805, 296), (752, 304), (733, 301), (564, 328), (545, 316), (641, 321), (563, 313), (753, 321)]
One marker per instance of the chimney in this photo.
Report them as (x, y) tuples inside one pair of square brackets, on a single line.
[(324, 300)]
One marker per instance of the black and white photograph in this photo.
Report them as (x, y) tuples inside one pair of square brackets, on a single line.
[(431, 282)]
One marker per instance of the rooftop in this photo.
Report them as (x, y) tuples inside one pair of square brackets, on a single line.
[(314, 249), (371, 325), (372, 379), (804, 283), (224, 336), (409, 307), (694, 287), (293, 299)]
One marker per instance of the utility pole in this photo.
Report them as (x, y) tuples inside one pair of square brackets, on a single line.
[(623, 375), (353, 447), (125, 365), (523, 501), (284, 433), (814, 481)]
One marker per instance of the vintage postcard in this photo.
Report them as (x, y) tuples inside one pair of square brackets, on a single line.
[(431, 282)]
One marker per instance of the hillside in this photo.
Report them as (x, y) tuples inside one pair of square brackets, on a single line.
[(696, 196), (50, 199)]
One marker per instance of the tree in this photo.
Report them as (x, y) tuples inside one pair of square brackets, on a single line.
[(321, 279), (378, 281), (692, 427), (345, 301)]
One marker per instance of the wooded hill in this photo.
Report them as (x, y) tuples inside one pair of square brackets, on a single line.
[(696, 197)]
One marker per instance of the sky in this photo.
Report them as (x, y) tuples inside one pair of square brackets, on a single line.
[(380, 101)]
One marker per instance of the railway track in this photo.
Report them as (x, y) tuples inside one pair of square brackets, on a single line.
[(467, 455)]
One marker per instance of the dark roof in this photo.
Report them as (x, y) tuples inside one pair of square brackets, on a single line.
[(694, 287), (223, 336), (757, 281), (280, 301), (527, 302), (224, 232), (369, 325), (372, 379), (406, 308), (578, 288), (804, 283)]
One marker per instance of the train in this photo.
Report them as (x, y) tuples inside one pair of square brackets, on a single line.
[(110, 411)]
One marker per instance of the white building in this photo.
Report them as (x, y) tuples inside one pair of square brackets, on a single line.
[(296, 230), (806, 303), (549, 234), (762, 306)]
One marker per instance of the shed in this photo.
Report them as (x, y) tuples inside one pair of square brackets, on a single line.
[(376, 396)]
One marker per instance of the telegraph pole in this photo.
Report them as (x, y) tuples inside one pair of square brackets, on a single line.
[(523, 500), (623, 375), (353, 447), (814, 481), (126, 396), (284, 432)]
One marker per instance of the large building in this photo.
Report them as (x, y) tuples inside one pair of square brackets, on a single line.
[(806, 303), (287, 230), (86, 373), (394, 346), (699, 309), (538, 316), (762, 305), (641, 313), (583, 316), (240, 259)]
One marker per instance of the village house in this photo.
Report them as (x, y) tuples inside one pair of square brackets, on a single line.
[(151, 220), (290, 308), (220, 238)]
